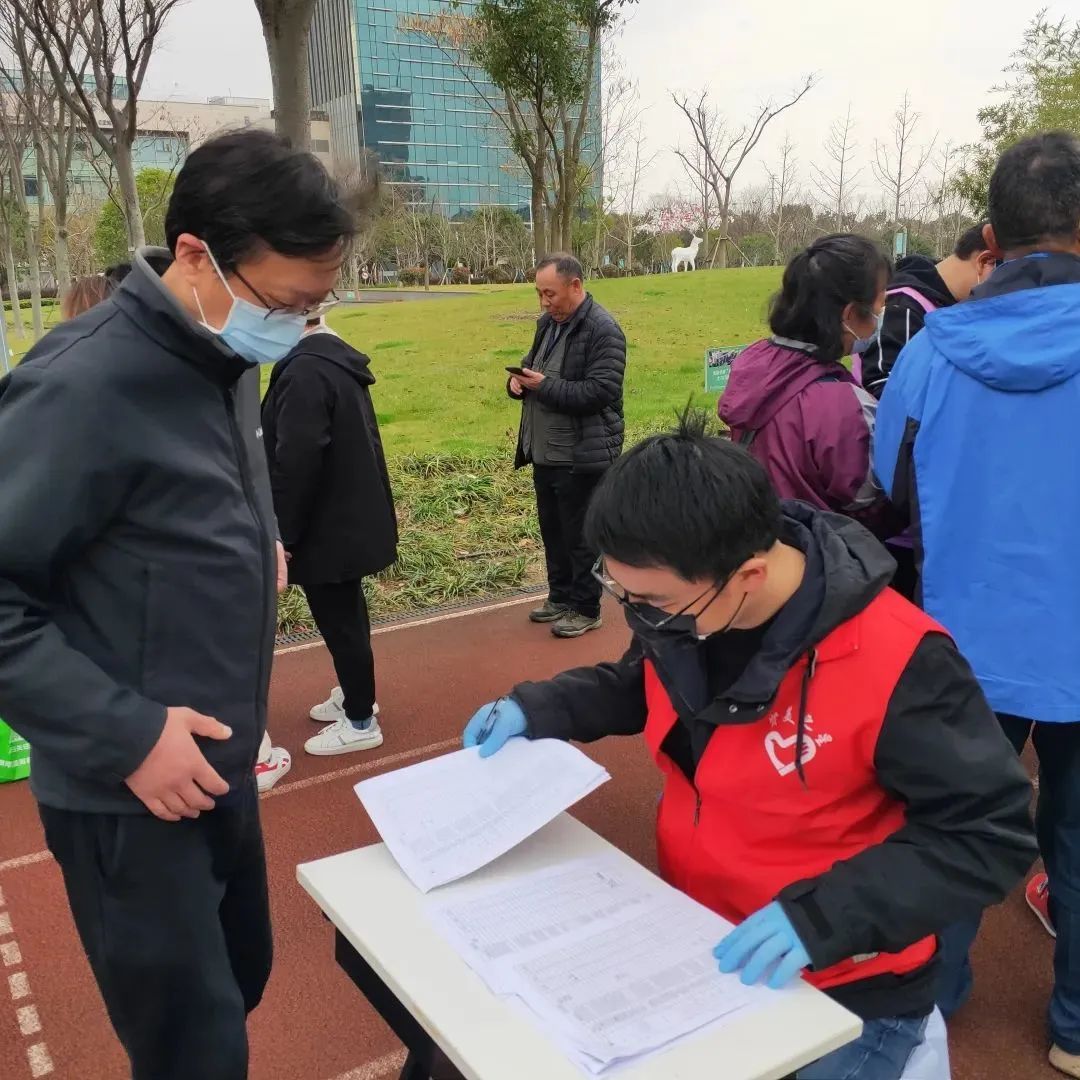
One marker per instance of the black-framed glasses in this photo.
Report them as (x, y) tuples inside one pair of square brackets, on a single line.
[(315, 312), (646, 612)]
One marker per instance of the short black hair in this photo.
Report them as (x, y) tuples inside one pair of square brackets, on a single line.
[(1035, 191), (116, 274), (820, 282), (971, 241), (250, 189), (691, 503), (567, 266)]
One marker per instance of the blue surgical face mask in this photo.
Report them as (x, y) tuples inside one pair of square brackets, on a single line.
[(861, 345), (252, 332)]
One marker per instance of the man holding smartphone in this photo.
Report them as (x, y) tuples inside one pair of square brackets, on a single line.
[(570, 387)]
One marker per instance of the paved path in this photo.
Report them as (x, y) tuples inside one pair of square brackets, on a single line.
[(313, 1025)]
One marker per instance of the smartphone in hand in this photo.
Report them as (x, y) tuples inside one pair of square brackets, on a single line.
[(516, 370)]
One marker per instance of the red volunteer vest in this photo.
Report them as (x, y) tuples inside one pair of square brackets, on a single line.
[(749, 828)]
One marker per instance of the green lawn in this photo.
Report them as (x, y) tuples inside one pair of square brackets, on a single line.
[(468, 522), (439, 363)]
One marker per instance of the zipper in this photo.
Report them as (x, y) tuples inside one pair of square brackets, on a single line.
[(253, 507), (697, 807)]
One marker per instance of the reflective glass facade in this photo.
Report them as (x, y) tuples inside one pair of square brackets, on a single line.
[(391, 91)]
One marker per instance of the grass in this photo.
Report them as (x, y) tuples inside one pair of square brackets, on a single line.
[(468, 522)]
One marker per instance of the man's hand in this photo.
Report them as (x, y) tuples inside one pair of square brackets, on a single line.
[(175, 780), (282, 567), (515, 386), (529, 379), (765, 942)]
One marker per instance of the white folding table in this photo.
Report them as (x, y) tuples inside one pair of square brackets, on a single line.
[(430, 997)]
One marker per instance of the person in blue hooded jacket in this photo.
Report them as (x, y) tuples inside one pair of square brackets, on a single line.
[(978, 440)]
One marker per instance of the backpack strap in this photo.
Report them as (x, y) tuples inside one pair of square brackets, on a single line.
[(913, 294)]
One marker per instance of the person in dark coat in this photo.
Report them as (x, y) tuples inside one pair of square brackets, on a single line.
[(335, 513), (571, 430)]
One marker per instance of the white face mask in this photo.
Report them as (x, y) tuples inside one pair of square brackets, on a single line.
[(860, 345), (254, 333)]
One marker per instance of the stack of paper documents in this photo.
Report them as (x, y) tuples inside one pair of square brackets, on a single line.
[(611, 962), (445, 818)]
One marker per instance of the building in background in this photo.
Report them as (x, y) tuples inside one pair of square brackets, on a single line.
[(388, 91), (167, 132)]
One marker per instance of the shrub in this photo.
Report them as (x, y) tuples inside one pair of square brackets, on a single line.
[(460, 275)]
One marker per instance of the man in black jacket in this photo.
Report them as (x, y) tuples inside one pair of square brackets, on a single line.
[(336, 515), (918, 287), (571, 431), (137, 595), (842, 804)]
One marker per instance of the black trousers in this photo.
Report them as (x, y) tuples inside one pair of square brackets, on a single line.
[(175, 921), (562, 497), (341, 614)]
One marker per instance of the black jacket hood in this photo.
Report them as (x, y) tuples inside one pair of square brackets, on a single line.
[(328, 345), (920, 272)]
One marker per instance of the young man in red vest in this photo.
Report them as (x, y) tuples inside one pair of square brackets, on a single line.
[(834, 781)]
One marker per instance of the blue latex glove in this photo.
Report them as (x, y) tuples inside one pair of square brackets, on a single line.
[(507, 722), (765, 939)]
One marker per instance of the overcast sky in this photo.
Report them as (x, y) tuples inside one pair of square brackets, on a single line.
[(948, 53)]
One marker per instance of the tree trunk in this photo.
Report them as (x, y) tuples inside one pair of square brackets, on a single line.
[(13, 288), (540, 244), (287, 29), (725, 227), (129, 197), (33, 258), (61, 256)]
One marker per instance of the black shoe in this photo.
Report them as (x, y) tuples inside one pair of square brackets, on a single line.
[(548, 613), (573, 624)]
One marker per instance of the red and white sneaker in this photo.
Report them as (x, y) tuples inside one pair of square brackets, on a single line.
[(272, 769), (1037, 895)]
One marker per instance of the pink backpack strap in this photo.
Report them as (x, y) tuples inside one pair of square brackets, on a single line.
[(914, 294)]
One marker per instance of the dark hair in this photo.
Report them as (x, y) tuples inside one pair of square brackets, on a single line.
[(820, 282), (566, 265), (116, 274), (695, 504), (1035, 191), (971, 242), (250, 189)]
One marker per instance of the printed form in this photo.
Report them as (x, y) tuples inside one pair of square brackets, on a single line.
[(613, 965), (445, 818)]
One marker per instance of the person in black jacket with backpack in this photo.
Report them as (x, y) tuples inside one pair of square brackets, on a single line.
[(335, 513), (570, 387), (918, 287)]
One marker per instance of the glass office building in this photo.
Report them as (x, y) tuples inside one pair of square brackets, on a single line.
[(392, 92)]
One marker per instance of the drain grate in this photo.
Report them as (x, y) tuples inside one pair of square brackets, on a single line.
[(303, 637)]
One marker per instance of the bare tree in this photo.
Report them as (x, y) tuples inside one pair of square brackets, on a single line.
[(631, 189), (949, 204), (835, 181), (286, 26), (52, 124), (99, 73), (15, 137), (781, 182), (899, 167), (727, 151), (699, 175), (8, 223)]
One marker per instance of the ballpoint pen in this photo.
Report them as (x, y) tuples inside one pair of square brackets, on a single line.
[(488, 726)]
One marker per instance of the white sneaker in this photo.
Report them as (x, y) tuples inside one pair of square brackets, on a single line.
[(269, 771), (342, 738), (330, 711)]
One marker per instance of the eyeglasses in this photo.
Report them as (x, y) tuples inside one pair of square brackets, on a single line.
[(646, 612), (317, 311)]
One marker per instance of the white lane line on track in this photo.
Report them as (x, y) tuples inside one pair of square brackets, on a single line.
[(430, 620), (387, 1065)]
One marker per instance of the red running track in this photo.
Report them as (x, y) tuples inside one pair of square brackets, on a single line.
[(313, 1025)]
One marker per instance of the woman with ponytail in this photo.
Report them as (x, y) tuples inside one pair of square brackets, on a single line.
[(791, 401)]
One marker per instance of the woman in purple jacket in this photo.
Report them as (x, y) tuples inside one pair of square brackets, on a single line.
[(792, 402)]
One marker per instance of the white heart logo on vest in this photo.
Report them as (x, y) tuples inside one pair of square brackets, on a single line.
[(775, 742)]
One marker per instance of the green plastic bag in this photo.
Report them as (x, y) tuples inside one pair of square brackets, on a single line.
[(14, 755)]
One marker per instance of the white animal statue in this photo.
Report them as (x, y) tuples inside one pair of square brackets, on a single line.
[(685, 256)]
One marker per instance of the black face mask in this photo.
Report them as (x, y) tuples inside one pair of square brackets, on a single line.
[(656, 627)]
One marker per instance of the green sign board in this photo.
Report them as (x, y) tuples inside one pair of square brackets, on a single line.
[(718, 363)]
